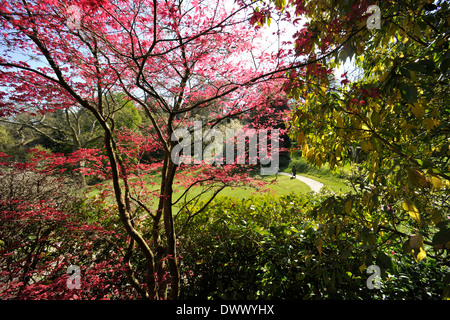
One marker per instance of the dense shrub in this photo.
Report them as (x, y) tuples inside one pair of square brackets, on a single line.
[(270, 248), (46, 226)]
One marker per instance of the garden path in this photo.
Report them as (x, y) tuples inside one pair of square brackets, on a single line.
[(313, 184)]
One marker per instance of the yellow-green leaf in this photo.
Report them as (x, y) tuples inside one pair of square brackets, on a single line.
[(366, 146), (319, 245), (300, 137), (419, 254), (375, 118), (429, 124), (415, 246), (305, 150), (335, 114), (348, 206), (436, 182), (436, 216), (416, 178), (418, 110), (412, 211)]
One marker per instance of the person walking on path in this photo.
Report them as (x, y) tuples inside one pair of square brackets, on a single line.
[(294, 172)]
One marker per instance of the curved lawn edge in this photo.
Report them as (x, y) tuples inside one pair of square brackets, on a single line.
[(313, 184)]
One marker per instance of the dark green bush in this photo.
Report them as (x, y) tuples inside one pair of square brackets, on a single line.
[(237, 252), (268, 248)]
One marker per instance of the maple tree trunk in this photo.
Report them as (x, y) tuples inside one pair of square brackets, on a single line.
[(157, 281), (124, 213), (165, 208), (170, 233), (82, 175)]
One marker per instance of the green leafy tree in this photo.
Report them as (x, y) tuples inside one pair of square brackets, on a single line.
[(64, 130), (6, 140), (123, 111), (69, 129), (396, 111)]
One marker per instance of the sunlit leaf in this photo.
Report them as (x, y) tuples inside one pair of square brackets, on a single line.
[(419, 254), (412, 211), (436, 182)]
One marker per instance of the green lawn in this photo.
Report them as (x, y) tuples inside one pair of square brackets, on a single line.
[(281, 185)]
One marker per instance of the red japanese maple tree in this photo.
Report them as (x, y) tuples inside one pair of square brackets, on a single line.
[(45, 229), (177, 61)]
